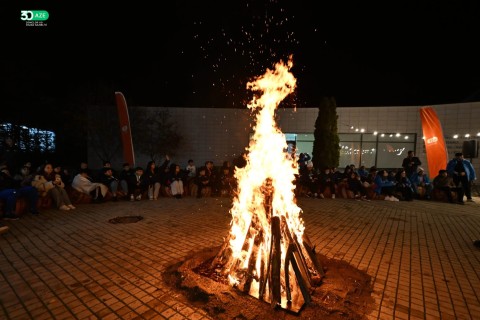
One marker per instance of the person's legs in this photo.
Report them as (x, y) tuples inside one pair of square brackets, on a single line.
[(156, 190), (9, 196), (448, 193), (56, 196), (466, 187), (150, 191), (114, 188), (460, 194), (103, 189), (31, 194), (65, 198)]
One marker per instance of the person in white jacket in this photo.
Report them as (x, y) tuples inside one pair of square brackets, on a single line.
[(83, 183)]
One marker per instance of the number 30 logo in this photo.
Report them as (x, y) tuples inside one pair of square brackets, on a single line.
[(26, 15), (35, 15)]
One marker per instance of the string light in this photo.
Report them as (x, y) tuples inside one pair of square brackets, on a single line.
[(376, 132)]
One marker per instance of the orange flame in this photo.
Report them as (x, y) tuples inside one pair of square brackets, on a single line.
[(267, 160)]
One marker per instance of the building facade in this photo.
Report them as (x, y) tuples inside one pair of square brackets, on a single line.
[(369, 136)]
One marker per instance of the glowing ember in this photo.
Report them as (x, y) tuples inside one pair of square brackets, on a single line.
[(267, 254)]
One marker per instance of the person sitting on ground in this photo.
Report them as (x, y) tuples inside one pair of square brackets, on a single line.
[(226, 182), (138, 184), (444, 183), (64, 174), (202, 181), (404, 186), (152, 175), (192, 171), (326, 179), (10, 191), (82, 182), (175, 178), (362, 172), (355, 185), (50, 184), (211, 174), (126, 175), (24, 177), (421, 179), (309, 179), (383, 186), (110, 181)]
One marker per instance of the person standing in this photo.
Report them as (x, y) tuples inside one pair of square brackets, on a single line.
[(410, 164), (462, 173)]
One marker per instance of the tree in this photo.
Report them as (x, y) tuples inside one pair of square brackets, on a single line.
[(326, 149), (103, 132), (154, 132)]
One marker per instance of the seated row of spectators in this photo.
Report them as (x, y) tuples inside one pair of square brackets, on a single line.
[(391, 185), (56, 183)]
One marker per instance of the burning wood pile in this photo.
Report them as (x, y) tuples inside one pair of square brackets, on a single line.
[(267, 253)]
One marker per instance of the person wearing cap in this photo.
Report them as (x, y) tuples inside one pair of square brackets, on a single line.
[(462, 172), (421, 179)]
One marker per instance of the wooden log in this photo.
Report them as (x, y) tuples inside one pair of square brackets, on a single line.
[(223, 254), (297, 253), (300, 280), (263, 280), (313, 255), (276, 260), (224, 257), (288, 257), (249, 276)]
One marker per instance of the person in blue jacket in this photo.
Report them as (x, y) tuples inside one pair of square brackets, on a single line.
[(421, 179), (462, 173), (385, 186)]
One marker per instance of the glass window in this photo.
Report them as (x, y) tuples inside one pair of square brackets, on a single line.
[(363, 149), (369, 137), (369, 153), (305, 147), (391, 154), (290, 136), (305, 137), (349, 136), (349, 153)]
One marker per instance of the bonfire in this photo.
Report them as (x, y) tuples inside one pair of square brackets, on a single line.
[(267, 253)]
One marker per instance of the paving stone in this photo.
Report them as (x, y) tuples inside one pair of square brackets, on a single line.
[(419, 254)]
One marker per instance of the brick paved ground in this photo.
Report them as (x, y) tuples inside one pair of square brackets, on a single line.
[(77, 265)]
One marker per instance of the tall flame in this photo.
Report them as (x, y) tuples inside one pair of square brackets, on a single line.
[(268, 166)]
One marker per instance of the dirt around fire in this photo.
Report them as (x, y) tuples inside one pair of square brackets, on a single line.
[(345, 292)]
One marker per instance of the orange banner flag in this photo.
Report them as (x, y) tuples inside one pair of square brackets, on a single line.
[(436, 149), (125, 130)]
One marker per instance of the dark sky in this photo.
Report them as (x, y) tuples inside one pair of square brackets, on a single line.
[(202, 53)]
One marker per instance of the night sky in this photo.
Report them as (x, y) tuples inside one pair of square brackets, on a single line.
[(202, 53)]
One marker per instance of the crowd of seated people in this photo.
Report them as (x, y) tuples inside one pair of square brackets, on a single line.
[(362, 184), (61, 186), (58, 187)]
